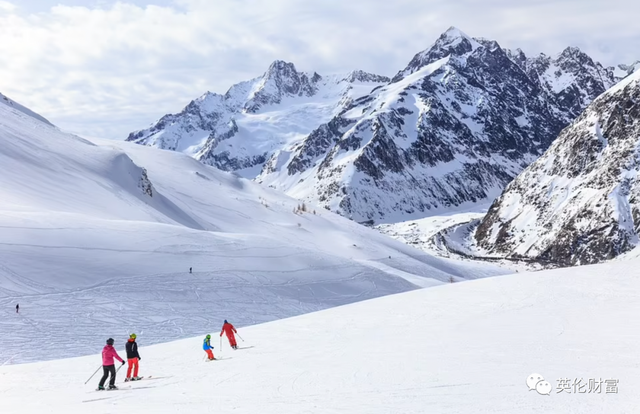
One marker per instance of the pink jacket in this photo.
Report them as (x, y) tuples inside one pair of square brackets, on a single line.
[(108, 353)]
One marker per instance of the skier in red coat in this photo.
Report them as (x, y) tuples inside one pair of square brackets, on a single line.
[(229, 329)]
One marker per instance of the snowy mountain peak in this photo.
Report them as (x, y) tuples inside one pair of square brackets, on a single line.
[(454, 127), (572, 78), (572, 51), (574, 58), (362, 76), (208, 100), (452, 42), (255, 119), (453, 34), (282, 71), (519, 57), (455, 41), (281, 80)]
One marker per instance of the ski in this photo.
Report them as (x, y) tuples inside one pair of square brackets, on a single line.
[(114, 389), (218, 359), (145, 378), (134, 380), (149, 377)]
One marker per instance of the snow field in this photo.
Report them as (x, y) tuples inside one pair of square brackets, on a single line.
[(458, 348)]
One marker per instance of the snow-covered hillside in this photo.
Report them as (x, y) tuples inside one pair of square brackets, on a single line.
[(579, 203), (98, 237), (26, 111), (449, 130), (465, 348)]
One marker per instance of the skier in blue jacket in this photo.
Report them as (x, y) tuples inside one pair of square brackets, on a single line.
[(206, 345)]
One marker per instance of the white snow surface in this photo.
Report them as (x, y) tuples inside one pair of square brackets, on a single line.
[(459, 348), (26, 111), (97, 238)]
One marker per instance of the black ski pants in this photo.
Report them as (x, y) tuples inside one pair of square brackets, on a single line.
[(108, 369)]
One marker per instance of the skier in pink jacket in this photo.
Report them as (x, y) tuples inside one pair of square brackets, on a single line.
[(108, 366)]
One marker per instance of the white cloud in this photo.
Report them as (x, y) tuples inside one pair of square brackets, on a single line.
[(5, 6), (107, 69)]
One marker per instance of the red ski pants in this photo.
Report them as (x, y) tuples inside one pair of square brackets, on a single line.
[(232, 339), (133, 364), (209, 353)]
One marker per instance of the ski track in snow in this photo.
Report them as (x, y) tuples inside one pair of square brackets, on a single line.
[(179, 305)]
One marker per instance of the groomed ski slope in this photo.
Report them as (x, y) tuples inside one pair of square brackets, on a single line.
[(458, 348), (97, 238)]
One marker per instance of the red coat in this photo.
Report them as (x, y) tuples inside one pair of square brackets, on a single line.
[(228, 329)]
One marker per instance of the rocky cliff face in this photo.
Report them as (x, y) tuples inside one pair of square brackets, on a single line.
[(580, 202)]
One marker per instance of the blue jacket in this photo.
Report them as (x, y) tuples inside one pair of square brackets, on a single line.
[(206, 344)]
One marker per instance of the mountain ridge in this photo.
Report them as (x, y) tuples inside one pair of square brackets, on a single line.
[(389, 149)]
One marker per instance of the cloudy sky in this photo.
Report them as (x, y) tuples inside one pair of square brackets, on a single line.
[(105, 68)]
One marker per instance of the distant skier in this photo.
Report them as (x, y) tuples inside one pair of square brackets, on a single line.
[(206, 345), (18, 308), (190, 270), (229, 329), (132, 357), (108, 366)]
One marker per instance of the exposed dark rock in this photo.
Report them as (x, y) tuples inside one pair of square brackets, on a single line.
[(577, 204)]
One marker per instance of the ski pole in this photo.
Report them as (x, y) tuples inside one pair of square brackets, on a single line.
[(93, 374), (220, 344), (239, 336)]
